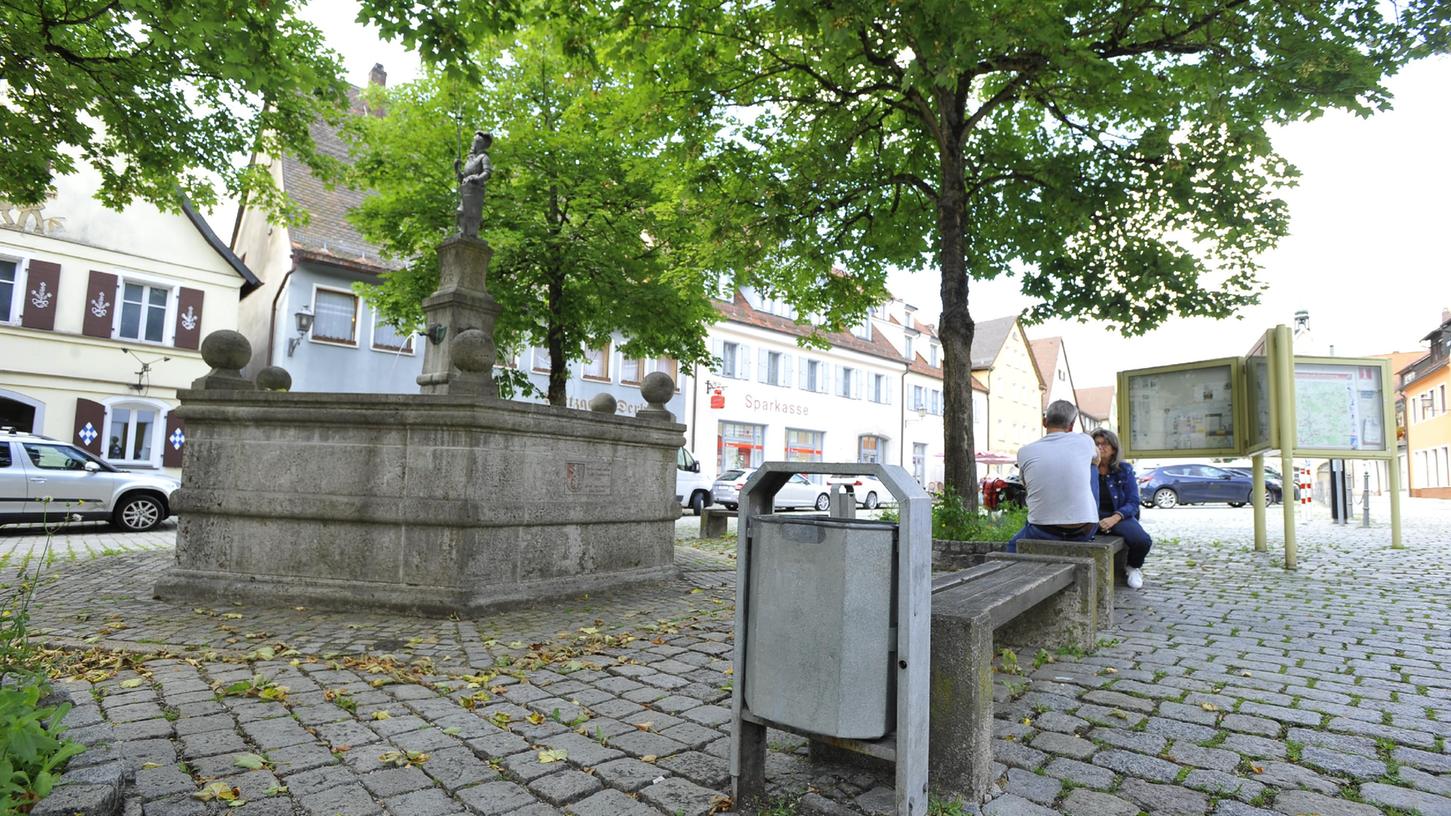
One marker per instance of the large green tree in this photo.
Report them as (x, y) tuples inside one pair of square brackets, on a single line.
[(159, 96), (586, 210), (1114, 155)]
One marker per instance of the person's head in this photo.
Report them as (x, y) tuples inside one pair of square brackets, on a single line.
[(1060, 415), (1108, 447), (482, 141)]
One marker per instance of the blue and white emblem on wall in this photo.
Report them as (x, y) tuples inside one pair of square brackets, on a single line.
[(88, 433), (177, 439)]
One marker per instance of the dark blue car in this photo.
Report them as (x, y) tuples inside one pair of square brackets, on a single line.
[(1174, 485)]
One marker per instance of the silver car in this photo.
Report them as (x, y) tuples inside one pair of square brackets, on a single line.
[(44, 480), (797, 492)]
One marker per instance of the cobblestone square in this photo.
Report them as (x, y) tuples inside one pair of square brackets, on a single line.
[(1229, 687)]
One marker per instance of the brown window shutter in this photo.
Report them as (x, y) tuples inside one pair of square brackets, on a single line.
[(174, 445), (101, 297), (90, 423), (189, 318), (39, 304)]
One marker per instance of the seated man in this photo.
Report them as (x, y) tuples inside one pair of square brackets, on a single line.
[(1061, 504)]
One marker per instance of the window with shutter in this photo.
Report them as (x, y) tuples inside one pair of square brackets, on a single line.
[(144, 310), (10, 286)]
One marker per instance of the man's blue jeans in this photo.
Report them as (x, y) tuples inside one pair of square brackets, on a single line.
[(1031, 530)]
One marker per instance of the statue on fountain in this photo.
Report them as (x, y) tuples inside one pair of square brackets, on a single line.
[(473, 176)]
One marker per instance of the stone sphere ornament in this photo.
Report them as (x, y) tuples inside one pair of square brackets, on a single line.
[(657, 389), (472, 350), (226, 350), (604, 404), (274, 378)]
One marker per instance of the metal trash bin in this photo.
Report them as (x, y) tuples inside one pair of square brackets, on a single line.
[(820, 637)]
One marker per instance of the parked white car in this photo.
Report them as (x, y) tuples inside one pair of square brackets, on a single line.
[(42, 480), (869, 492), (797, 492), (692, 488)]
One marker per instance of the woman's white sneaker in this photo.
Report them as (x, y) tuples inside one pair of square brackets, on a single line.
[(1135, 577)]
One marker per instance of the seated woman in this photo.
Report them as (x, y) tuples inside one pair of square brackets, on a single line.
[(1118, 504)]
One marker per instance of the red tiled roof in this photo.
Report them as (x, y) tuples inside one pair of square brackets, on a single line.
[(740, 311), (1097, 402)]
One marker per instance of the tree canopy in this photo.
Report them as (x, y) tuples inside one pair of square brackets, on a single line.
[(160, 97), (1116, 157), (585, 211)]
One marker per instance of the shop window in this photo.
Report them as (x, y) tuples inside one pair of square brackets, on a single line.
[(740, 445), (143, 312), (805, 446), (335, 316)]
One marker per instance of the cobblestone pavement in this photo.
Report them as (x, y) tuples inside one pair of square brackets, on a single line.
[(1230, 687), (83, 541)]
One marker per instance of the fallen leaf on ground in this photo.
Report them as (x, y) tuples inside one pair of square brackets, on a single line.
[(552, 755), (249, 761)]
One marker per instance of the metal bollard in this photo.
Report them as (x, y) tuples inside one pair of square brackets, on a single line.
[(1365, 502)]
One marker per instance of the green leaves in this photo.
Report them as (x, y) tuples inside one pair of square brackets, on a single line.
[(169, 98), (31, 746)]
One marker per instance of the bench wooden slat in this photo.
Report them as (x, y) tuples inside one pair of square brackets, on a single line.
[(1006, 593), (952, 579)]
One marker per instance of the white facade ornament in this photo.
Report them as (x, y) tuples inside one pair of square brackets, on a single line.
[(99, 306), (40, 297), (188, 319)]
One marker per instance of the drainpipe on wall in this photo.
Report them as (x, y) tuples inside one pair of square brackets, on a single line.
[(272, 323)]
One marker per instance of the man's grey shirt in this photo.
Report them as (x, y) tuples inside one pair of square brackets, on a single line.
[(1056, 470)]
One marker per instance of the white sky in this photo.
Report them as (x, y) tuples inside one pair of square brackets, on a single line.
[(1367, 253)]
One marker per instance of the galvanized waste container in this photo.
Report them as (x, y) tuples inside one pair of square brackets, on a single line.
[(819, 634)]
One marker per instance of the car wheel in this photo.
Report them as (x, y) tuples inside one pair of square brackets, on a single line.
[(823, 502), (872, 501), (1271, 497), (1166, 499), (136, 514), (697, 503)]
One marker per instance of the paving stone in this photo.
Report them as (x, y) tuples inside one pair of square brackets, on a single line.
[(1058, 721), (630, 774), (1221, 783), (156, 783), (1229, 807), (1141, 742), (142, 729), (1425, 760), (616, 708), (1365, 746), (1189, 713), (1132, 764), (526, 766), (275, 733), (1258, 747), (84, 799), (643, 743), (814, 804), (1080, 773), (196, 725), (690, 735), (1033, 787), (1306, 803), (350, 799), (607, 802), (1179, 730), (709, 715), (295, 758), (1214, 759), (1342, 764), (565, 787), (172, 806), (1246, 724), (395, 781), (700, 768), (1064, 745), (211, 743), (584, 751), (1011, 805), (497, 745), (1439, 785), (1084, 802), (1114, 699), (426, 802), (320, 779), (1018, 755), (1170, 800), (1405, 799), (454, 768)]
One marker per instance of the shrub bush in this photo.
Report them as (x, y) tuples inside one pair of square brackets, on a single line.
[(953, 521)]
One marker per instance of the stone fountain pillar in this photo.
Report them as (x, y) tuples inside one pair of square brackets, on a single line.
[(459, 355)]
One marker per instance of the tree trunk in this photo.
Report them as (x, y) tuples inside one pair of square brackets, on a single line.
[(955, 326), (554, 341)]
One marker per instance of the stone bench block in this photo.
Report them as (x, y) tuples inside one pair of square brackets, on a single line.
[(1109, 559), (713, 521)]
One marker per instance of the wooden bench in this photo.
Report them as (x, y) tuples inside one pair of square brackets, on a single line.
[(1010, 600), (1109, 559), (713, 521)]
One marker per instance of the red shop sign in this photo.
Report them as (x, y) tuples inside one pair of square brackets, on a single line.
[(717, 399)]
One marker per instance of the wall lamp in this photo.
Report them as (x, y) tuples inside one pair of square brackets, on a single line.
[(304, 325)]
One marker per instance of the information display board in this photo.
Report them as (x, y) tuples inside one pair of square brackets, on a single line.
[(1184, 410), (1340, 406), (1260, 424)]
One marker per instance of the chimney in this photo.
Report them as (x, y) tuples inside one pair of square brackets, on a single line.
[(378, 76)]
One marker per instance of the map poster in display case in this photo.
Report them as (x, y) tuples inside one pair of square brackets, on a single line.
[(1185, 410), (1260, 420), (1340, 406)]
